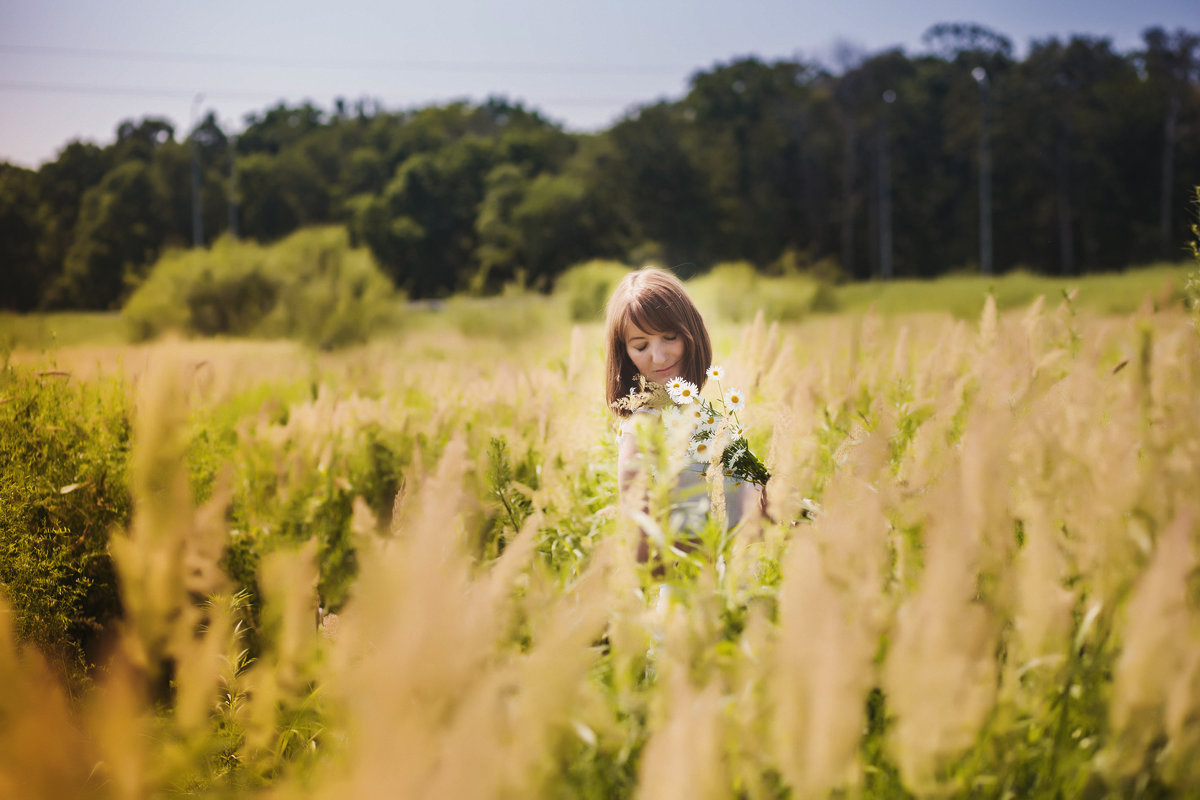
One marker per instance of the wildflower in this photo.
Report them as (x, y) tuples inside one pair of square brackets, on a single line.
[(737, 432), (700, 451), (674, 385), (686, 394), (715, 373), (734, 400)]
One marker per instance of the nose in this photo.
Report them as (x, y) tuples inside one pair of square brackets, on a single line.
[(661, 353)]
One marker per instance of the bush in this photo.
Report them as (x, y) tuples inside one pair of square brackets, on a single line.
[(736, 292), (311, 286), (587, 288), (63, 485)]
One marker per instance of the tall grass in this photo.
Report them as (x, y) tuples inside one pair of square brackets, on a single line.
[(996, 598)]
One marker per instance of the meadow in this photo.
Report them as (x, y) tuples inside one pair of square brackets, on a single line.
[(396, 569)]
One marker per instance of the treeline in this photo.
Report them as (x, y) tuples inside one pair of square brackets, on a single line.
[(872, 169)]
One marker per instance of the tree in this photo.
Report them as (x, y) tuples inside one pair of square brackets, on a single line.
[(141, 139), (1172, 62), (117, 237), (743, 115), (22, 273), (278, 194), (60, 188), (664, 195), (279, 128), (501, 249), (422, 229)]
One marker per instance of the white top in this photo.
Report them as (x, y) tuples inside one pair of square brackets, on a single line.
[(690, 504)]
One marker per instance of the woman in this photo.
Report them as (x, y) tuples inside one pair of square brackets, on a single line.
[(654, 330)]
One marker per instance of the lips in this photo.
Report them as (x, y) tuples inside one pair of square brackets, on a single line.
[(667, 369)]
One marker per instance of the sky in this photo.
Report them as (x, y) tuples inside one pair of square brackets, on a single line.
[(74, 69)]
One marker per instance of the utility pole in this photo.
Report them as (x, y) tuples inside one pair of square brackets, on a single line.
[(197, 222), (985, 171), (885, 191)]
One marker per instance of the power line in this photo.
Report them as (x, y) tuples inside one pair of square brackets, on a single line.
[(142, 91), (210, 59), (179, 93)]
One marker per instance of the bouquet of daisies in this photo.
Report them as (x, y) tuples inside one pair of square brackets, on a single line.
[(715, 420)]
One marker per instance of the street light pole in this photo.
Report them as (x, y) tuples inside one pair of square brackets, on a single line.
[(197, 223), (885, 191), (985, 171), (233, 199)]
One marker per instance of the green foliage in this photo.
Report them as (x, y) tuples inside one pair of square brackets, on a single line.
[(45, 331), (117, 237), (737, 292), (23, 276), (964, 295), (63, 485), (499, 250), (311, 286), (421, 228), (312, 500), (511, 488), (510, 317), (587, 288)]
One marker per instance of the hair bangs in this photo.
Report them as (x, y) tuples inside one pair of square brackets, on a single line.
[(652, 315)]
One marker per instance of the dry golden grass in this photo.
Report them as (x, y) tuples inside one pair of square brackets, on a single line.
[(997, 598)]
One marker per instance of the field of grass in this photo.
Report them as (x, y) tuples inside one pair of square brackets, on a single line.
[(397, 570), (43, 332), (728, 295), (962, 295)]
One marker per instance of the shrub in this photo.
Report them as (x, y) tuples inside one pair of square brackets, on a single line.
[(63, 485), (509, 317), (736, 292), (587, 287), (311, 286)]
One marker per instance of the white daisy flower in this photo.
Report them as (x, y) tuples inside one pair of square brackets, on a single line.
[(737, 432), (674, 385), (686, 394), (700, 451), (734, 400), (715, 372)]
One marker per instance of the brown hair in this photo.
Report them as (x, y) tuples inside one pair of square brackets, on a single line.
[(655, 301)]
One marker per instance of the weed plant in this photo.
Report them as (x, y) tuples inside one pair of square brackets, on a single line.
[(64, 448)]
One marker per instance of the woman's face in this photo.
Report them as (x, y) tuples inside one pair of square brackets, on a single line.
[(657, 355)]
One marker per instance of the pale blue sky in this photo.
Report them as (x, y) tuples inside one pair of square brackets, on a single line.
[(76, 68)]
